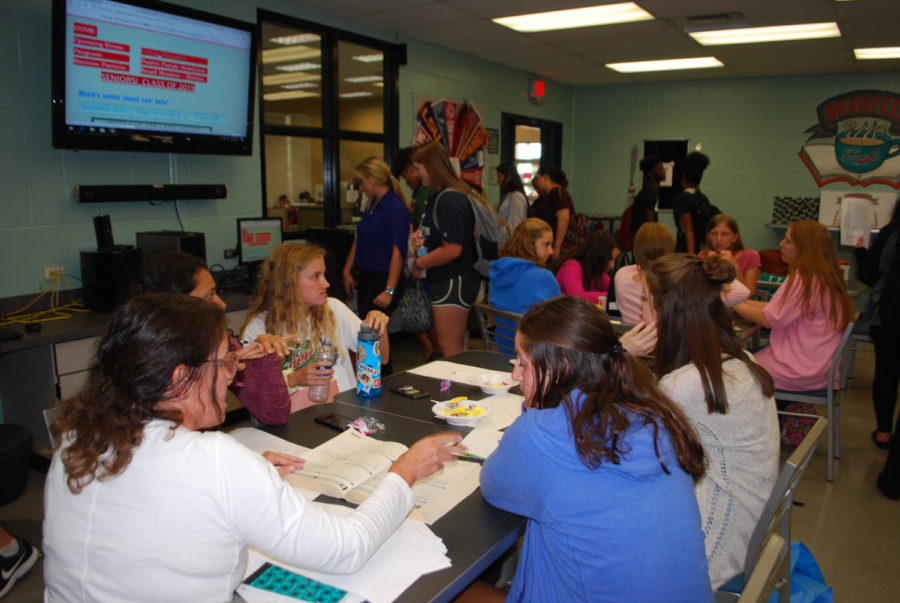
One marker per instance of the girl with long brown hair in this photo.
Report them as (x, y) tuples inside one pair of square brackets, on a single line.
[(292, 301), (142, 504), (602, 464), (726, 395), (808, 312), (723, 238), (447, 233)]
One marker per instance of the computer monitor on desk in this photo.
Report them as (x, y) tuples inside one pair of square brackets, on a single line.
[(256, 238)]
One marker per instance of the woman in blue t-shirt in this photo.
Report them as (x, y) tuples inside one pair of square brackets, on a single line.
[(374, 265), (447, 233), (602, 464)]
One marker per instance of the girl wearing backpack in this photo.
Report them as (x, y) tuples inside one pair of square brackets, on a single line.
[(691, 208), (448, 262), (879, 267)]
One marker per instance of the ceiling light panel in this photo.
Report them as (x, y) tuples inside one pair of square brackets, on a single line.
[(363, 79), (886, 52), (666, 65), (369, 58), (590, 16), (778, 33), (298, 67), (305, 38), (355, 94)]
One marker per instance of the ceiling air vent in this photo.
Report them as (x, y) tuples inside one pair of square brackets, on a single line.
[(709, 22)]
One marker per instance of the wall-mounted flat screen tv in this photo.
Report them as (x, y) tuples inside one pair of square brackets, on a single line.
[(141, 75)]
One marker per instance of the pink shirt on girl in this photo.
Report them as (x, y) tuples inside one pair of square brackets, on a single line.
[(634, 302), (801, 346), (571, 281)]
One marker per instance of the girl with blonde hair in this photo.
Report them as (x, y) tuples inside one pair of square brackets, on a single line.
[(808, 312), (652, 241), (292, 301), (519, 279), (377, 254), (447, 234)]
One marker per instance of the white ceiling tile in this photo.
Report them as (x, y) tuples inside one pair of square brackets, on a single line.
[(492, 9), (411, 19), (576, 56)]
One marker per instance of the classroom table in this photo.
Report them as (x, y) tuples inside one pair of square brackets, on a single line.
[(475, 533), (395, 404)]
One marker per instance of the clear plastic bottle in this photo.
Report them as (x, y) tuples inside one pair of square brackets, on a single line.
[(325, 353)]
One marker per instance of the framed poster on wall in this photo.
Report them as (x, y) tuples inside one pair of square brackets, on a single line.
[(673, 152)]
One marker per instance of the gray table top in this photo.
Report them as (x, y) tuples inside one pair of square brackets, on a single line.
[(475, 533)]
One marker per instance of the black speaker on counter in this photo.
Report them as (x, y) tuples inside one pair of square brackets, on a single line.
[(103, 232), (108, 276), (155, 242), (89, 193)]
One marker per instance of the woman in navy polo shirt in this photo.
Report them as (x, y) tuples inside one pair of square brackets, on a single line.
[(376, 256)]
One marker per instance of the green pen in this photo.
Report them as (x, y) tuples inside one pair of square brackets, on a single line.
[(469, 457)]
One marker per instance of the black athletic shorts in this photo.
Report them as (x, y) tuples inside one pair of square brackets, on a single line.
[(459, 291)]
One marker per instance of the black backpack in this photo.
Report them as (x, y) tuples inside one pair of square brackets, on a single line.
[(705, 213)]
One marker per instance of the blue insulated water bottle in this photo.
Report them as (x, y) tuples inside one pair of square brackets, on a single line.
[(368, 363)]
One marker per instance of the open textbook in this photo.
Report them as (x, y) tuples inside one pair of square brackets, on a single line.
[(351, 465)]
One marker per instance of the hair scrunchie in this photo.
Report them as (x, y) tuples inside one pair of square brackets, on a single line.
[(617, 350)]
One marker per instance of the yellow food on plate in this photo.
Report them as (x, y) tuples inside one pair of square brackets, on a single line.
[(463, 410)]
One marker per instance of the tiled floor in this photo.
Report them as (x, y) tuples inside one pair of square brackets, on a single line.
[(852, 529)]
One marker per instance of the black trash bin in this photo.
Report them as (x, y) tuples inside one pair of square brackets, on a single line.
[(15, 450)]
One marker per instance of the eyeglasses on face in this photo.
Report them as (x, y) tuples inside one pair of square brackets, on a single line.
[(229, 362)]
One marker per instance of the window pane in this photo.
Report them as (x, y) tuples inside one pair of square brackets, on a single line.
[(291, 76), (352, 153), (361, 88), (294, 169)]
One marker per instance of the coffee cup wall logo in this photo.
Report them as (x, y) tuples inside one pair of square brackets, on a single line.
[(857, 139)]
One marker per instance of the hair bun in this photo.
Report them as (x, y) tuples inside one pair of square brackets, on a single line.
[(717, 270)]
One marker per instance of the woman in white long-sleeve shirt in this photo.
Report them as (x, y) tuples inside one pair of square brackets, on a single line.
[(726, 395), (141, 505), (513, 206)]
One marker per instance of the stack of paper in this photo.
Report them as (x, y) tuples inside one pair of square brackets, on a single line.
[(412, 551), (441, 369)]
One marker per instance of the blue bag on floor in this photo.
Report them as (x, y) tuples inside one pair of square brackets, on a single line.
[(807, 582)]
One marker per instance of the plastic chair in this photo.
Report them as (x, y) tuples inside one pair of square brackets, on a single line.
[(860, 334), (774, 559), (775, 519), (487, 322), (828, 397)]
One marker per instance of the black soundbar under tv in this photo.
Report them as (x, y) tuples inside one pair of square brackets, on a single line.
[(148, 192)]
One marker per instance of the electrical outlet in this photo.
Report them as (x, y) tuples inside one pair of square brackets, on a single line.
[(230, 253), (52, 271)]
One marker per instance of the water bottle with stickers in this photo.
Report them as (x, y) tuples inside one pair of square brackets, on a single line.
[(368, 362)]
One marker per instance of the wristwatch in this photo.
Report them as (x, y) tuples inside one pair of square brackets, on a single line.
[(389, 290)]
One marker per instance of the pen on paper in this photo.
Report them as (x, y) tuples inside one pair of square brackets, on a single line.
[(469, 457)]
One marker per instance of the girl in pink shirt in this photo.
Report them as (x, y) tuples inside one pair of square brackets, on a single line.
[(723, 238), (653, 240), (583, 272), (808, 312)]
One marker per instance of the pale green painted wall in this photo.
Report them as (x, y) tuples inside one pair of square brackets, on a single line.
[(42, 225), (752, 130)]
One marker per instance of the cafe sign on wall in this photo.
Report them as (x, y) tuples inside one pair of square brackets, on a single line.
[(857, 139)]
